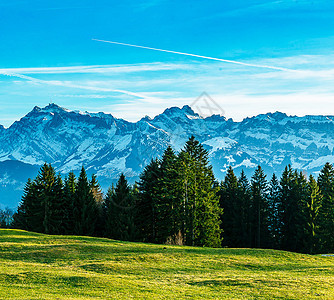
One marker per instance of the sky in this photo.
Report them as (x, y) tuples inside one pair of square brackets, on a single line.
[(49, 53)]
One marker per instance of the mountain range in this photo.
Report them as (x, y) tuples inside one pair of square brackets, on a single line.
[(107, 146)]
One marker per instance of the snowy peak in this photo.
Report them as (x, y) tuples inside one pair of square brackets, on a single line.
[(108, 146), (176, 113)]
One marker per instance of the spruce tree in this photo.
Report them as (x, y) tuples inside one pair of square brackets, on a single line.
[(168, 203), (312, 207), (233, 217), (120, 208), (293, 194), (98, 196), (259, 189), (69, 194), (146, 201), (326, 212), (85, 208), (202, 207), (274, 215), (246, 212), (22, 215)]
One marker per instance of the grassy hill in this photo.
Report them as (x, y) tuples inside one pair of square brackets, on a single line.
[(37, 266)]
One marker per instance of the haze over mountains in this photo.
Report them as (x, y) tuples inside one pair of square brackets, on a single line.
[(108, 146)]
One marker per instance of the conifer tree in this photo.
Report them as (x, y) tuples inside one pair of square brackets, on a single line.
[(232, 219), (293, 194), (46, 211), (120, 208), (274, 215), (259, 189), (246, 213), (326, 212), (168, 204), (312, 207), (69, 194), (202, 201), (85, 209), (98, 196), (145, 204), (22, 216)]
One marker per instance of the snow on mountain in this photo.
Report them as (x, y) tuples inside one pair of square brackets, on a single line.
[(108, 146)]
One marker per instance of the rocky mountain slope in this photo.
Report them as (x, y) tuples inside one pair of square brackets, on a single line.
[(108, 146)]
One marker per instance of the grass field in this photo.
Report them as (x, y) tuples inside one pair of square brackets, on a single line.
[(36, 266)]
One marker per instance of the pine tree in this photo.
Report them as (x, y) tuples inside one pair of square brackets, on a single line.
[(98, 196), (202, 201), (244, 196), (69, 194), (326, 212), (168, 202), (120, 208), (274, 208), (232, 219), (57, 206), (312, 207), (85, 208), (145, 204), (293, 194), (21, 217), (259, 189)]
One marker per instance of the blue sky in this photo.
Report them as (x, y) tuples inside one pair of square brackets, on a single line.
[(47, 53)]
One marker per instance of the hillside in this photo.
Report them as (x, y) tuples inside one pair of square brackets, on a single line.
[(36, 266)]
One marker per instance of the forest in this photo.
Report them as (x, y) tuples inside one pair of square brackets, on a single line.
[(177, 200)]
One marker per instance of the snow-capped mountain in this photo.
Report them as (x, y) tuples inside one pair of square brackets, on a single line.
[(108, 146)]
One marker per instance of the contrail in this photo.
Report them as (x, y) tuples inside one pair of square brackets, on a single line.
[(201, 56), (70, 85)]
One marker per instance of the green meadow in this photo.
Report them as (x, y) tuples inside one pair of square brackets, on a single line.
[(37, 266)]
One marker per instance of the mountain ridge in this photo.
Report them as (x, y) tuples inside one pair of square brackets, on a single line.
[(107, 146)]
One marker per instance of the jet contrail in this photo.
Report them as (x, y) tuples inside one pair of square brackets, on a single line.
[(200, 56), (70, 85)]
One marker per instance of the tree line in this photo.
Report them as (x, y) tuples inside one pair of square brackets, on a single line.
[(177, 200)]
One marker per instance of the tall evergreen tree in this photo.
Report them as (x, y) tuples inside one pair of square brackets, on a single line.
[(120, 211), (168, 203), (326, 212), (312, 207), (232, 219), (85, 208), (246, 212), (22, 215), (145, 204), (202, 206), (98, 196), (69, 195), (274, 215), (293, 194), (259, 189)]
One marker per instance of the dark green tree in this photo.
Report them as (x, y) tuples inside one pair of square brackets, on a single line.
[(326, 212), (200, 198), (233, 220), (313, 204), (145, 203), (259, 191), (293, 195), (168, 203), (85, 209), (246, 212), (98, 196), (69, 200), (120, 211), (274, 216)]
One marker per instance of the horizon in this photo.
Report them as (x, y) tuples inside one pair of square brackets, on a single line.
[(78, 111)]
